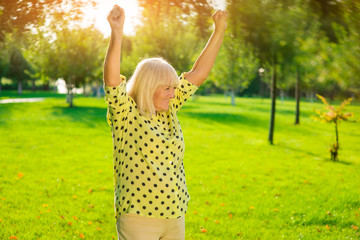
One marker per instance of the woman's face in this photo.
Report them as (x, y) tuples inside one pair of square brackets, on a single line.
[(162, 97)]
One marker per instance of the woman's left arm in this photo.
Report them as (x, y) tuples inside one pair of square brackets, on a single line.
[(205, 61)]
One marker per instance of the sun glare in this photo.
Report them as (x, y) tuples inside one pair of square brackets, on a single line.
[(97, 15)]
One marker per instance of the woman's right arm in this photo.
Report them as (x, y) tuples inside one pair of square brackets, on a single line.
[(116, 19)]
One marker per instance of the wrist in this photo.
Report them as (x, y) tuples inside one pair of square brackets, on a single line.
[(116, 34), (219, 31)]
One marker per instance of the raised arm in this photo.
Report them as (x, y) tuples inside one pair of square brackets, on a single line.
[(205, 61), (116, 19)]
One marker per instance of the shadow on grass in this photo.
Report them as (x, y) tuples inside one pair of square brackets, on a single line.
[(228, 118), (91, 116), (297, 150), (331, 222), (263, 107), (314, 155), (5, 113), (5, 94)]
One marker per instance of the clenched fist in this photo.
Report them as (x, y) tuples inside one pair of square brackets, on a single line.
[(116, 18), (220, 19)]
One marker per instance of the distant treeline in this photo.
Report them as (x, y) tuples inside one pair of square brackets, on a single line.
[(309, 46)]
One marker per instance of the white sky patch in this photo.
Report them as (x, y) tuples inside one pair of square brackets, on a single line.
[(98, 15)]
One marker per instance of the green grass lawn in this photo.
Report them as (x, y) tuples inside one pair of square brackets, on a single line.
[(56, 171)]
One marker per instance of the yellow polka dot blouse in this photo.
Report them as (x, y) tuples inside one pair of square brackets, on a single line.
[(149, 175)]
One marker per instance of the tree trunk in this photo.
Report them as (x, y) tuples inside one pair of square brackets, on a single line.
[(297, 98), (70, 95), (282, 95), (20, 87), (261, 92), (47, 85), (312, 95), (0, 85), (273, 103), (84, 89), (232, 94), (337, 142), (98, 89), (33, 85)]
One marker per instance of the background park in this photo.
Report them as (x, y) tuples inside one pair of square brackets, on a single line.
[(265, 157)]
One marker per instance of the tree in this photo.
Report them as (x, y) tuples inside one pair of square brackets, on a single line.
[(4, 59), (19, 17), (18, 67), (335, 116), (79, 55), (164, 34), (22, 15), (236, 66)]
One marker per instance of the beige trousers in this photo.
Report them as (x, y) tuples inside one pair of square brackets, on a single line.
[(132, 226)]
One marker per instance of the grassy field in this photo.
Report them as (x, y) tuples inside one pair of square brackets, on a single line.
[(56, 172)]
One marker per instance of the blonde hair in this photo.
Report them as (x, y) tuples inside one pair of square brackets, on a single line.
[(150, 74)]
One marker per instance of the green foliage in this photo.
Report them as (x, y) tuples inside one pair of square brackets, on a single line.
[(236, 66), (162, 34), (335, 116), (21, 15)]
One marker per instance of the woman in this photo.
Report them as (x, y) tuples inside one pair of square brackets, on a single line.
[(149, 178)]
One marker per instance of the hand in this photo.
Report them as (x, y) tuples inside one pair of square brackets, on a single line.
[(220, 19), (116, 18)]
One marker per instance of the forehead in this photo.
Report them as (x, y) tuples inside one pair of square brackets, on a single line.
[(169, 83)]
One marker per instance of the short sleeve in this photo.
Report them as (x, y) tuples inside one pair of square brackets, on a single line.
[(118, 100), (183, 92)]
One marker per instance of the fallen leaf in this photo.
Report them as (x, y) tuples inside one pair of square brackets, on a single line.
[(20, 175), (62, 217), (81, 235), (75, 218), (216, 221), (328, 213), (69, 223), (13, 237), (327, 226), (203, 230)]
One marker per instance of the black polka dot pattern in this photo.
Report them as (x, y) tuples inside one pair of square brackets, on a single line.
[(149, 174)]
